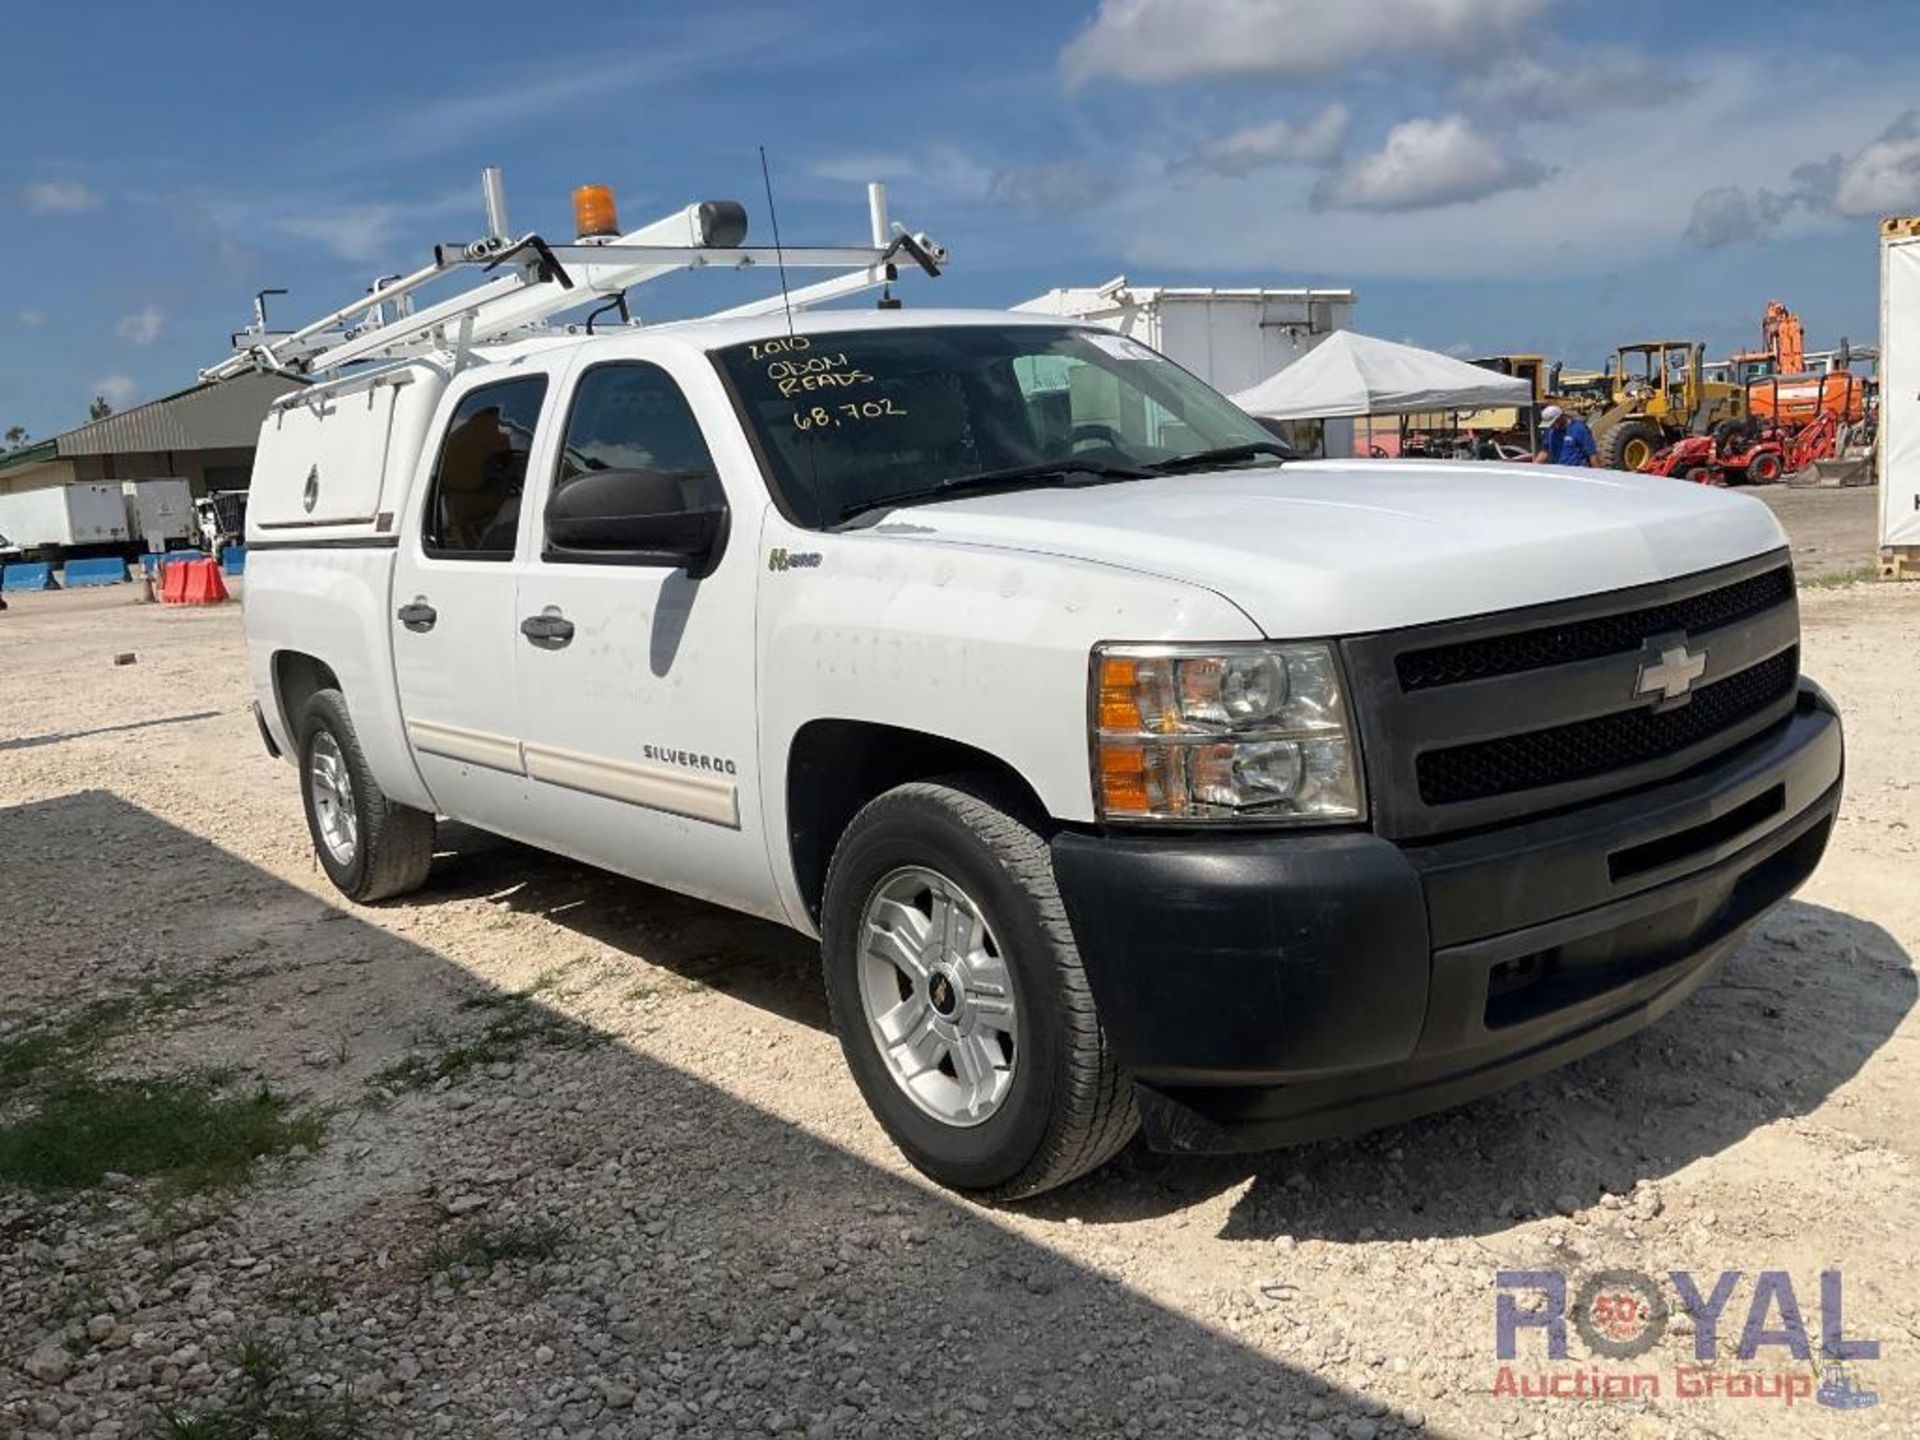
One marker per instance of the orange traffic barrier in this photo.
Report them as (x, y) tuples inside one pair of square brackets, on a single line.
[(203, 585), (173, 582)]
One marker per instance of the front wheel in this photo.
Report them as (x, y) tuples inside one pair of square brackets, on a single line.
[(959, 998), (371, 847), (1631, 444)]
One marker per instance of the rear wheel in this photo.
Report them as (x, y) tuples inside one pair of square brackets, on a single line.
[(371, 847), (1765, 468), (959, 998), (1631, 444)]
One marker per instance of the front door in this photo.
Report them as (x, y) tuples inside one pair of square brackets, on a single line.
[(636, 681), (455, 630)]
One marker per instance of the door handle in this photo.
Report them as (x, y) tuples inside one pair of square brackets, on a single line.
[(550, 630), (418, 616)]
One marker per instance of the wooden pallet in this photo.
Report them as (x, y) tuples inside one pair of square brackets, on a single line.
[(1900, 562)]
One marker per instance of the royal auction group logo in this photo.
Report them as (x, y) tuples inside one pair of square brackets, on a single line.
[(1625, 1315)]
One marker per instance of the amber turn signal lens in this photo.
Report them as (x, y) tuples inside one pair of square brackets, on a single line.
[(1119, 702), (1123, 780), (593, 215)]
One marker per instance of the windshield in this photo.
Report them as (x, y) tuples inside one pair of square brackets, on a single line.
[(851, 418)]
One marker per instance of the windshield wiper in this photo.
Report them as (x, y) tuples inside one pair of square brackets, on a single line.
[(1056, 470), (1225, 455)]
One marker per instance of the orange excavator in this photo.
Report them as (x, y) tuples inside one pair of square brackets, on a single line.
[(1780, 392)]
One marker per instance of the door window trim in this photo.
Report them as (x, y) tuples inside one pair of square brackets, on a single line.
[(431, 491), (575, 384)]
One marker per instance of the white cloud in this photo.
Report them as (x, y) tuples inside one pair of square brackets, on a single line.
[(1163, 41), (119, 390), (1605, 208), (143, 327), (1428, 163), (1884, 178), (1056, 187), (939, 170), (31, 319), (1880, 178), (57, 197), (350, 232), (1318, 141), (1523, 87)]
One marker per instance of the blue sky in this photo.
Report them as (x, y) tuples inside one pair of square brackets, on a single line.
[(1488, 174)]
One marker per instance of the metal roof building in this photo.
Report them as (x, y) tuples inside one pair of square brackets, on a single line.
[(204, 435)]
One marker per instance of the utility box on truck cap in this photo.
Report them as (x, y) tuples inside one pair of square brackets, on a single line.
[(330, 459)]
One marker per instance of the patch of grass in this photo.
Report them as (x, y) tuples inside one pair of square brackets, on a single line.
[(58, 1047), (261, 1362), (547, 981), (640, 993), (310, 1294), (184, 1127), (1839, 578), (484, 1246), (517, 1024), (259, 1406)]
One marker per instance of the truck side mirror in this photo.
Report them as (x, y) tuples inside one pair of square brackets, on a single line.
[(638, 517)]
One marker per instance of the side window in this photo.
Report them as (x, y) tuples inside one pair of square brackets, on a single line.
[(473, 500), (632, 416)]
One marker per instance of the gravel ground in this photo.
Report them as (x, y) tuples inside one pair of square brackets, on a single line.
[(1835, 531), (592, 1165)]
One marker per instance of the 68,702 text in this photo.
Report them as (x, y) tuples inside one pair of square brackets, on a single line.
[(828, 417)]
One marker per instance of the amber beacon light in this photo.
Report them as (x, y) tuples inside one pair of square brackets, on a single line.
[(593, 214)]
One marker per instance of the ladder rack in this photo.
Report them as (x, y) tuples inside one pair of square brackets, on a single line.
[(539, 281)]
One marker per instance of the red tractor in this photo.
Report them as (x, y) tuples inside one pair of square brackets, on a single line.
[(1741, 452), (1727, 457)]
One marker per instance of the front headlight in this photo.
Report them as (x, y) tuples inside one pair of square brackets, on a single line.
[(1254, 733)]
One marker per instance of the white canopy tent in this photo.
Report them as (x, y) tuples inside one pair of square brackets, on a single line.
[(1349, 374)]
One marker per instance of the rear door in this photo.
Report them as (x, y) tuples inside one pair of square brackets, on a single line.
[(638, 719), (454, 626)]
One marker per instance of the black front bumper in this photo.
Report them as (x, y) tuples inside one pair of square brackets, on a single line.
[(1272, 989)]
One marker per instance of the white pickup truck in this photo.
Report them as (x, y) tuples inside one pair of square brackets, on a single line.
[(1130, 772)]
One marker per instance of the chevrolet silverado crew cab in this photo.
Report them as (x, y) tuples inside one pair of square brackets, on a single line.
[(1131, 772)]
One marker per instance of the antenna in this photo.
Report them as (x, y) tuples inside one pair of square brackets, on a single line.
[(779, 254)]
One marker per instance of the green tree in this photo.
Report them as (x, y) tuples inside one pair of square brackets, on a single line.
[(17, 435), (99, 409)]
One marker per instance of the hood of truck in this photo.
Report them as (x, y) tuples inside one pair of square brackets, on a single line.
[(1339, 547)]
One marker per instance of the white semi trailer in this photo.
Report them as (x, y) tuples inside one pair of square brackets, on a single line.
[(160, 512), (1899, 448), (51, 521)]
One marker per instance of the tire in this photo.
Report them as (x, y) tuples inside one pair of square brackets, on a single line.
[(1631, 443), (1765, 468), (1703, 475), (1063, 1105), (391, 846)]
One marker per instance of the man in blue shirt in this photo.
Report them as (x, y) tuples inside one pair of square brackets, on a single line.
[(1565, 440)]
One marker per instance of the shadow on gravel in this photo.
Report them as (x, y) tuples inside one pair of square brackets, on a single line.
[(60, 737), (764, 964), (735, 1273), (1803, 1004)]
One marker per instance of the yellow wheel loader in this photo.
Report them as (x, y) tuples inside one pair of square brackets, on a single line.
[(1658, 396)]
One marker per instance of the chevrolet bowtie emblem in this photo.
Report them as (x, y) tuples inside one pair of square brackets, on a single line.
[(1668, 669)]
